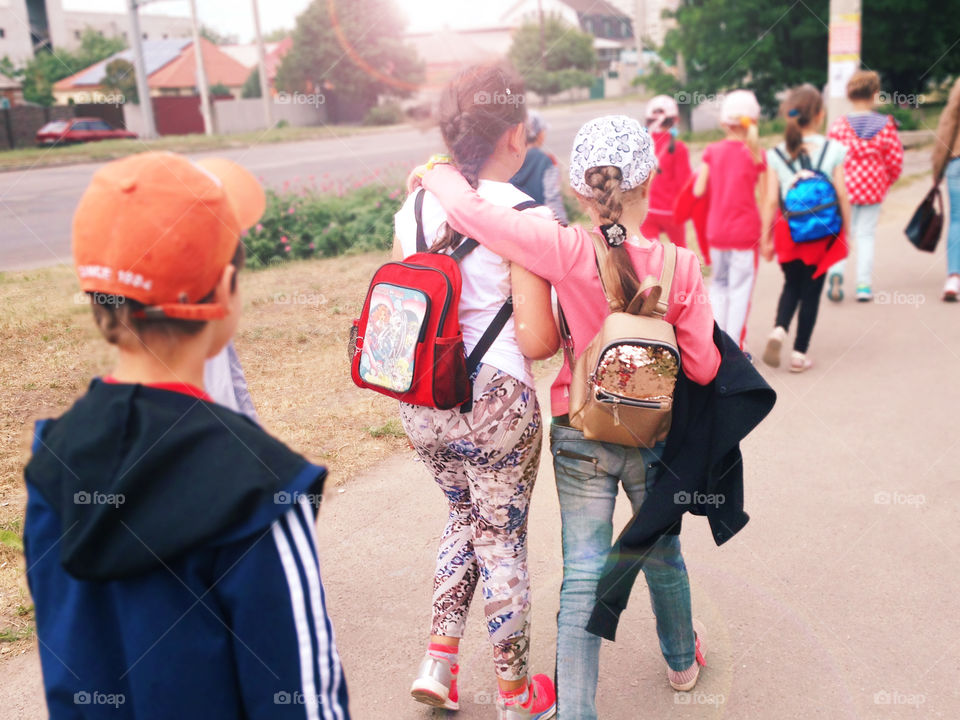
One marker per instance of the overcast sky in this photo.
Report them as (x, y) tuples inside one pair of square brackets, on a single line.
[(233, 17)]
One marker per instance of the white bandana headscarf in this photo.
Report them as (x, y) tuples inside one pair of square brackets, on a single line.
[(615, 140)]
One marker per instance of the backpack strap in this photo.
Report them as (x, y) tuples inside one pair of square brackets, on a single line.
[(418, 214), (788, 163), (823, 154), (657, 301)]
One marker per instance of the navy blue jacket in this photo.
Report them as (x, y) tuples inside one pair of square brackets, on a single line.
[(173, 563), (701, 472)]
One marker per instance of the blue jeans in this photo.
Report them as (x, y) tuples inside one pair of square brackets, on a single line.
[(863, 230), (588, 478), (953, 234)]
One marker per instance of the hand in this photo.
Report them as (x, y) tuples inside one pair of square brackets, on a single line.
[(766, 248), (415, 179)]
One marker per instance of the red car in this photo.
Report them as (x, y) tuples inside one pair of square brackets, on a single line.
[(79, 130)]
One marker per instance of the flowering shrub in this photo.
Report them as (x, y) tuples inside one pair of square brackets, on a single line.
[(332, 218)]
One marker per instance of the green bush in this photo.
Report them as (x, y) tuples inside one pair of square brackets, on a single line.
[(332, 219), (386, 114), (906, 117)]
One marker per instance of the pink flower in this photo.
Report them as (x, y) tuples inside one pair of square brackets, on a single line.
[(287, 248), (284, 240), (312, 246), (395, 194), (290, 211), (259, 227)]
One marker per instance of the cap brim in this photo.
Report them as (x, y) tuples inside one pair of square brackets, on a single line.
[(183, 311), (245, 192)]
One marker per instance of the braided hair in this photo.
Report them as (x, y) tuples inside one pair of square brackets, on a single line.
[(478, 106), (608, 198)]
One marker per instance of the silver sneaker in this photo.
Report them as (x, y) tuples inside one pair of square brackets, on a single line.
[(436, 684)]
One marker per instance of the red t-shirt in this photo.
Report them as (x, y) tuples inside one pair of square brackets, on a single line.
[(733, 221), (672, 174), (185, 388)]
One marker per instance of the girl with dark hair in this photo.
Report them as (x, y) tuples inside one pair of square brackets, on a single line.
[(485, 460), (805, 264), (610, 170)]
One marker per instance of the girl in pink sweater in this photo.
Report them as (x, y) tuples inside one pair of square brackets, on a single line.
[(610, 170)]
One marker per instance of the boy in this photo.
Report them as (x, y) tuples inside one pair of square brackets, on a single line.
[(169, 541), (874, 162)]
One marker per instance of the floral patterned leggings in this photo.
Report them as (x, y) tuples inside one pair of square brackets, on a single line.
[(486, 463)]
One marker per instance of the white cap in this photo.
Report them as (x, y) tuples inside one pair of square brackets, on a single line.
[(615, 140), (661, 105), (737, 105)]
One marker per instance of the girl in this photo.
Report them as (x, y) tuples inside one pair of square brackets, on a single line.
[(730, 176), (610, 170), (946, 152), (873, 163), (673, 170), (804, 264), (485, 460)]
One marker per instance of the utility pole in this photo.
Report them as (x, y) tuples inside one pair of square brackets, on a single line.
[(543, 42), (143, 88), (201, 73), (844, 54), (262, 71)]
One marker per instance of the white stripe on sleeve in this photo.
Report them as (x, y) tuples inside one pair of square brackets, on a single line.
[(304, 644)]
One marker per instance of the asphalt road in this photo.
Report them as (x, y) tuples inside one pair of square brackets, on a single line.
[(36, 206), (837, 601)]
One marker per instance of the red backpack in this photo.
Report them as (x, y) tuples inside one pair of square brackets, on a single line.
[(407, 343)]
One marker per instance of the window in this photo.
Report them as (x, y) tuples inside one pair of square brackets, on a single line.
[(588, 25), (3, 33), (81, 126), (76, 34), (99, 125), (145, 37)]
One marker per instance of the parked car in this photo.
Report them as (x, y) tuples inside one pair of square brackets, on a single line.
[(79, 130)]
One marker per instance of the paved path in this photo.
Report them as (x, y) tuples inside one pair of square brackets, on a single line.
[(837, 601)]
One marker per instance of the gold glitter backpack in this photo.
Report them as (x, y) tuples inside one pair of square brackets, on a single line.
[(623, 382)]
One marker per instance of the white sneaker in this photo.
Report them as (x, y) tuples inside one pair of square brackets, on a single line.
[(951, 290), (799, 362), (771, 355)]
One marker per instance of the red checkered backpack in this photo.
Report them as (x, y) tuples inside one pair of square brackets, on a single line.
[(407, 343)]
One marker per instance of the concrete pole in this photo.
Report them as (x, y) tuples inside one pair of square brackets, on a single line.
[(844, 54), (201, 73), (262, 68), (143, 89)]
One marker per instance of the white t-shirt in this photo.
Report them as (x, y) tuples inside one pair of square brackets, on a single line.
[(486, 278)]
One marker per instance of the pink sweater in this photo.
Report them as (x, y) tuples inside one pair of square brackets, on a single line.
[(565, 257)]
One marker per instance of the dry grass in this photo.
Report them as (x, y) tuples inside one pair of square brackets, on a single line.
[(292, 342)]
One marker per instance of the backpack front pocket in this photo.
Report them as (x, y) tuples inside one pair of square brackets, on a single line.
[(394, 330)]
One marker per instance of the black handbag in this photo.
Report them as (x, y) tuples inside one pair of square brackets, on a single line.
[(926, 225)]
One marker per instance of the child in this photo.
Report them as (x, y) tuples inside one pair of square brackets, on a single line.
[(170, 541), (803, 264), (730, 175), (485, 460), (610, 170), (874, 161), (539, 176), (673, 170)]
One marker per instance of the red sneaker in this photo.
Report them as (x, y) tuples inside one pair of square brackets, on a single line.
[(541, 703)]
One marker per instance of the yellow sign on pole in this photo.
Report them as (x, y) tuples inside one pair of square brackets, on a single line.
[(844, 51)]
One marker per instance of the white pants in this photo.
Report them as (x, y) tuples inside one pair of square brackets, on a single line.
[(730, 290), (863, 228)]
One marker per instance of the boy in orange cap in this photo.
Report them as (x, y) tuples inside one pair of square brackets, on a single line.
[(169, 540)]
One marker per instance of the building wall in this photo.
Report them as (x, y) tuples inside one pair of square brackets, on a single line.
[(153, 27), (15, 42)]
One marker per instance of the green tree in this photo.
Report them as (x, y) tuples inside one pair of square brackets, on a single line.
[(217, 37), (120, 79), (910, 43), (358, 51), (251, 88), (753, 44), (568, 60), (277, 35), (47, 67)]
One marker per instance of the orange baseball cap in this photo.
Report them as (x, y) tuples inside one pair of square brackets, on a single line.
[(159, 228)]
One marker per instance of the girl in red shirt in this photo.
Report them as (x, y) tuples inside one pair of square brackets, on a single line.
[(730, 176), (673, 171)]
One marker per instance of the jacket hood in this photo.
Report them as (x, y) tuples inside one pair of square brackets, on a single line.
[(139, 476)]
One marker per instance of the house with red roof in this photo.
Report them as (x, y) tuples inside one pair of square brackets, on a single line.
[(171, 66)]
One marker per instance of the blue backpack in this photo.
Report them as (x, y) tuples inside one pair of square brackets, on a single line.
[(810, 205)]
